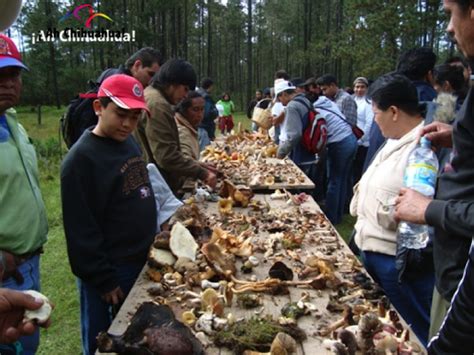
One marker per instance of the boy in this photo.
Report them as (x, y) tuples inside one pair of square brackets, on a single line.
[(108, 206)]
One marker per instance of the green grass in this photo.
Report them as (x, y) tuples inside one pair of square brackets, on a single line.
[(58, 283)]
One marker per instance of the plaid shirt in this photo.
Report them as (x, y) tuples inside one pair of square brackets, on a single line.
[(347, 105)]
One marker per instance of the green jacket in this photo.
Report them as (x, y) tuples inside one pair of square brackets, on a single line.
[(159, 138), (23, 223)]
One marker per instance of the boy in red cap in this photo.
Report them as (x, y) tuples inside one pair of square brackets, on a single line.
[(109, 208), (23, 223)]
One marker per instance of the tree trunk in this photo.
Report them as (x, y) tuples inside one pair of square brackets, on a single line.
[(52, 57), (249, 52), (209, 39)]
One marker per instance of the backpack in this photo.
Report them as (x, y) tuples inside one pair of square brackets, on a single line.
[(315, 132), (79, 115)]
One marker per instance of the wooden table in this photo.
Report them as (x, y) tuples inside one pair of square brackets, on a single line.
[(325, 240), (291, 176)]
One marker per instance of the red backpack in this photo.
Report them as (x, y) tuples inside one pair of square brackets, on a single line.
[(315, 130)]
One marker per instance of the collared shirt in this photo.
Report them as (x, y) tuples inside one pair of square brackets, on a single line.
[(23, 223), (347, 106)]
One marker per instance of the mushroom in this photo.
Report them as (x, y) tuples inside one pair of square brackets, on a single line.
[(182, 242), (42, 314), (344, 321)]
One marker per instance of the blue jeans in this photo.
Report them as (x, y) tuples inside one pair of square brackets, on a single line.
[(340, 156), (97, 315), (31, 275), (411, 298), (204, 140)]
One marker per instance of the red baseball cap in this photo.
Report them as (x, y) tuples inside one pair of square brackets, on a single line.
[(125, 91), (9, 55)]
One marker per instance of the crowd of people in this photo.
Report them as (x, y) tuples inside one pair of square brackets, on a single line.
[(123, 179)]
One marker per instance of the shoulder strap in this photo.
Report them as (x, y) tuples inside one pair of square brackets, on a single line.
[(334, 113), (301, 101)]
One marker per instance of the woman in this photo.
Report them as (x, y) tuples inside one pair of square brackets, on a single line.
[(158, 135), (395, 106), (188, 116), (226, 122)]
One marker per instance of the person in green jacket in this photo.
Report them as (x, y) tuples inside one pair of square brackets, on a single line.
[(23, 223), (226, 121)]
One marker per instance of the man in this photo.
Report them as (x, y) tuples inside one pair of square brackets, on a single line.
[(207, 127), (313, 91), (365, 117), (297, 108), (343, 100), (417, 64), (159, 135), (23, 223), (452, 210), (253, 103), (108, 205), (142, 65)]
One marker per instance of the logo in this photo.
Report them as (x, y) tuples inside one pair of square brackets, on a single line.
[(92, 15), (83, 34), (137, 91), (4, 47), (145, 192)]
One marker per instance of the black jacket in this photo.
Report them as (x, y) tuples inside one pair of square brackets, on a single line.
[(452, 211), (456, 335), (109, 208)]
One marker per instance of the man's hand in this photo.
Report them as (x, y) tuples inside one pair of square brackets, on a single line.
[(12, 308), (278, 120), (210, 179), (9, 267), (440, 134), (410, 206), (113, 297)]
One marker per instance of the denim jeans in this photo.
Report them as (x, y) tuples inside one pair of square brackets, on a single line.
[(97, 315), (411, 298), (31, 276), (340, 156), (204, 140)]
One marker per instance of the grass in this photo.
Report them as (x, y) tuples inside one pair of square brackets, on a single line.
[(58, 283)]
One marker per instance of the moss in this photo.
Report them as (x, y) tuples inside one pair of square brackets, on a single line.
[(254, 334)]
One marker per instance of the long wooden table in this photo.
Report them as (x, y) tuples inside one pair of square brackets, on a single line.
[(323, 240)]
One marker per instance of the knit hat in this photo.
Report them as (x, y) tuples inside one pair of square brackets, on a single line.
[(361, 80), (125, 91), (9, 54)]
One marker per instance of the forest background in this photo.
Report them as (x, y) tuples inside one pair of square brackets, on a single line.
[(238, 43)]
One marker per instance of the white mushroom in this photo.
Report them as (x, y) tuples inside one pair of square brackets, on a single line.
[(208, 284), (182, 242), (204, 323), (42, 314)]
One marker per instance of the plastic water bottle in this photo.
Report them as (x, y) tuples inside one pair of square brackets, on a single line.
[(420, 175)]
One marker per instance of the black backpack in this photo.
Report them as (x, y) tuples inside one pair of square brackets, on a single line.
[(79, 115)]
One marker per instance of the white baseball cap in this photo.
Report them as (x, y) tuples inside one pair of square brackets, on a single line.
[(283, 85)]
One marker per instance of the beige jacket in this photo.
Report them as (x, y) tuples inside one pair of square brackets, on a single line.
[(374, 196), (188, 137), (159, 139)]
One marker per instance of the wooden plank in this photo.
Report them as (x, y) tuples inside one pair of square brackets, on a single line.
[(320, 238)]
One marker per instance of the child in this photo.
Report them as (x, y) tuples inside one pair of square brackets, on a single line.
[(226, 122), (109, 208)]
